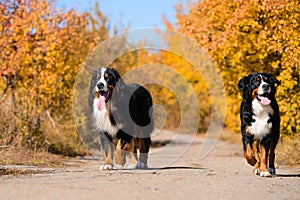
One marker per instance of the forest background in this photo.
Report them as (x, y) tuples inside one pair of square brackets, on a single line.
[(42, 48)]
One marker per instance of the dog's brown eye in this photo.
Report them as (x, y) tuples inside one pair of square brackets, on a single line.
[(265, 78)]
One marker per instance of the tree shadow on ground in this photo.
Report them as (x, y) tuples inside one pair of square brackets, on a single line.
[(287, 175)]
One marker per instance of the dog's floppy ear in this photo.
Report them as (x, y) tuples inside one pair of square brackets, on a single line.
[(244, 83), (120, 84), (120, 88), (115, 73)]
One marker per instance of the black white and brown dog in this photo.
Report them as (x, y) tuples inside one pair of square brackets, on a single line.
[(260, 121), (122, 114)]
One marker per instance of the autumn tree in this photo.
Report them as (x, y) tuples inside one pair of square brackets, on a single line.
[(250, 36), (41, 50)]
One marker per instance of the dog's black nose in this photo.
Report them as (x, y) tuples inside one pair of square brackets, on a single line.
[(265, 86), (100, 85)]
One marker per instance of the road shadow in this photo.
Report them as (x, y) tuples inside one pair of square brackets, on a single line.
[(160, 168), (174, 167), (287, 175), (159, 143)]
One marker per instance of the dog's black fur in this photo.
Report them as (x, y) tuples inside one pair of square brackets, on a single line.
[(127, 115), (265, 142)]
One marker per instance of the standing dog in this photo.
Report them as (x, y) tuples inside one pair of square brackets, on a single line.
[(260, 121), (122, 114)]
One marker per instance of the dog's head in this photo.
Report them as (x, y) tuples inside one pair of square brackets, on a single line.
[(260, 86), (104, 82)]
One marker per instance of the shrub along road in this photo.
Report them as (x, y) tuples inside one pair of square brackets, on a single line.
[(224, 174)]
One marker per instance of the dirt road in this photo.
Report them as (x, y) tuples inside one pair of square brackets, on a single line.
[(224, 174)]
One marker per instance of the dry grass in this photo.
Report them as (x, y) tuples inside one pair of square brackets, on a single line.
[(12, 156), (63, 139), (288, 151), (57, 138), (16, 172), (25, 156)]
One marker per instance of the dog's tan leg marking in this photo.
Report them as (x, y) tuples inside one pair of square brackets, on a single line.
[(131, 148), (109, 158), (256, 156), (249, 155), (263, 165), (120, 157)]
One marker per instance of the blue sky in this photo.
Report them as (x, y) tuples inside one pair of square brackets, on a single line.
[(137, 14)]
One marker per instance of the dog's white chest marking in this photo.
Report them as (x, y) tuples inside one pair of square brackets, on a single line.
[(102, 121), (261, 116)]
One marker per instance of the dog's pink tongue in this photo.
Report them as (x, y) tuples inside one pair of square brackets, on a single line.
[(101, 103), (265, 101)]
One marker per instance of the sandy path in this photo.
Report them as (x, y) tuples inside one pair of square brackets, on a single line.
[(224, 174)]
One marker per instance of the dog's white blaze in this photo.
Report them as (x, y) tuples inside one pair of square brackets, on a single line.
[(261, 126), (260, 88), (102, 121), (102, 79)]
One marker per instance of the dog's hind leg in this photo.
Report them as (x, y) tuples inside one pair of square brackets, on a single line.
[(144, 146), (107, 149), (248, 154), (131, 148), (128, 147), (120, 157)]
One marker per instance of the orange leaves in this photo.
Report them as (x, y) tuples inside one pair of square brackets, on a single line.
[(44, 47)]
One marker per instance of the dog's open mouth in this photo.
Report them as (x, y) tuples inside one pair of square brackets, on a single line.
[(264, 99), (105, 94)]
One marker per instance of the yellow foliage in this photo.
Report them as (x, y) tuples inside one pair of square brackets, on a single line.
[(249, 36), (163, 95)]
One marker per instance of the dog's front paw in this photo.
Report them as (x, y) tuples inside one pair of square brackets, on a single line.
[(141, 165), (116, 166), (272, 171), (106, 167), (265, 174), (256, 171)]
